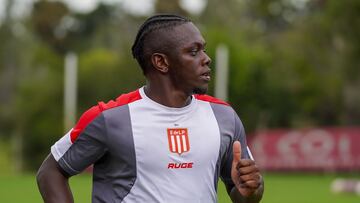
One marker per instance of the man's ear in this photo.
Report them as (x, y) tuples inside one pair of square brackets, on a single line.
[(160, 62)]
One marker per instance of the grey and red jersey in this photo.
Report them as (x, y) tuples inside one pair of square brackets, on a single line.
[(143, 151)]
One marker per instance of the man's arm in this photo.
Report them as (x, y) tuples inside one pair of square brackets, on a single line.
[(53, 182), (249, 184)]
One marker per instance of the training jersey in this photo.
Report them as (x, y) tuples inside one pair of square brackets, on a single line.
[(143, 151)]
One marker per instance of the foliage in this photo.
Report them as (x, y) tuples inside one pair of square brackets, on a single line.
[(292, 63)]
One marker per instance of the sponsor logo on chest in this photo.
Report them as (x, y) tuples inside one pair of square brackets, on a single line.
[(178, 139)]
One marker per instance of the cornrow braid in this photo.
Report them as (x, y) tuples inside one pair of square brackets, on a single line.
[(152, 24)]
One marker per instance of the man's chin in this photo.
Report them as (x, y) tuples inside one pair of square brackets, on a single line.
[(200, 90)]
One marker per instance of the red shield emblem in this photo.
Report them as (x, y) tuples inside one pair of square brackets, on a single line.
[(178, 140)]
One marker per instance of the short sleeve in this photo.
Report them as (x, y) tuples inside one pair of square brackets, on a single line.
[(90, 145)]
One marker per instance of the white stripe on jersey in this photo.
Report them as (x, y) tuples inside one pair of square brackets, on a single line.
[(249, 152), (178, 143), (173, 147), (184, 143), (61, 146)]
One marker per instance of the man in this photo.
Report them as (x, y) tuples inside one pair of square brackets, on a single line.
[(165, 142)]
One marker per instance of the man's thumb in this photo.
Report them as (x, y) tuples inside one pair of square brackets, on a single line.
[(236, 151)]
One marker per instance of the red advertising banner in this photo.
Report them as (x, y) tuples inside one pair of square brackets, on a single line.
[(326, 149)]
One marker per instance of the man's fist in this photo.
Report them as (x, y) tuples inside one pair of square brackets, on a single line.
[(244, 173)]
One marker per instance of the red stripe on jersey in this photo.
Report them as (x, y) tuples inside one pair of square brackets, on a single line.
[(94, 111), (211, 99)]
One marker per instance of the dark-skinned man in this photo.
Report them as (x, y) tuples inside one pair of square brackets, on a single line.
[(165, 142)]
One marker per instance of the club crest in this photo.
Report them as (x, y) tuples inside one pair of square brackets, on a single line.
[(178, 140)]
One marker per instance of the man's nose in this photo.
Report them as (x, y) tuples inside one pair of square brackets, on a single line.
[(206, 60)]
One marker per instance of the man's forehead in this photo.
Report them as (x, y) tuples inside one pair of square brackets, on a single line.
[(186, 34), (175, 38)]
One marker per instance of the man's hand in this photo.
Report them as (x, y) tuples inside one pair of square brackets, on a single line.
[(244, 173)]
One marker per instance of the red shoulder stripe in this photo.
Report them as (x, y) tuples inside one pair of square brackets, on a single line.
[(211, 99), (94, 111)]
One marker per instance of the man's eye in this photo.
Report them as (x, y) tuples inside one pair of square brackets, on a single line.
[(194, 52)]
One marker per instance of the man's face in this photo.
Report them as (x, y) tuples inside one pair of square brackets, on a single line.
[(189, 64)]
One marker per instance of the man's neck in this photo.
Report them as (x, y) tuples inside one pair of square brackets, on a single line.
[(167, 96)]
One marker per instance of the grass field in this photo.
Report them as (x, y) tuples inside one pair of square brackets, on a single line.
[(279, 188)]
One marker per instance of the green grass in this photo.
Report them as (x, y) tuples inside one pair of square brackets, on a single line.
[(279, 188), (19, 189), (304, 188)]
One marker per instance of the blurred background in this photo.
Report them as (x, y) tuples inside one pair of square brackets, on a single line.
[(293, 78)]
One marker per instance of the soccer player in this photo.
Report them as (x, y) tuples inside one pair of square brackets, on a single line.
[(165, 142)]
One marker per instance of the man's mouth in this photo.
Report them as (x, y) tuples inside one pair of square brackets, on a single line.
[(206, 76)]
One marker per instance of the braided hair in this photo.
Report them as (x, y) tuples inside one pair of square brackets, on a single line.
[(153, 24)]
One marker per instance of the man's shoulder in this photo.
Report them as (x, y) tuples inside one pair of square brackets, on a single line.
[(222, 110), (211, 99), (93, 112), (121, 100)]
